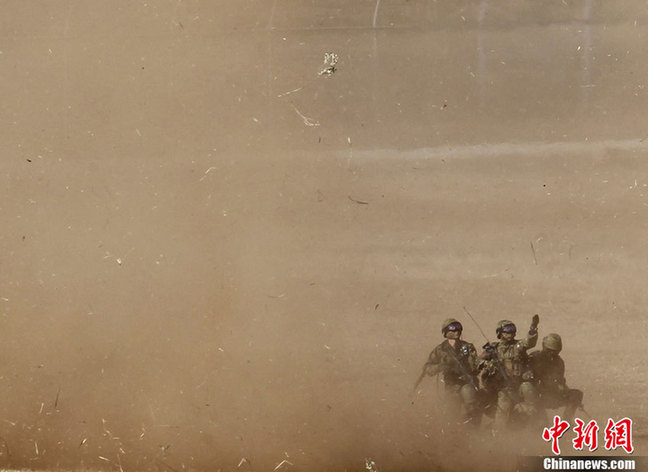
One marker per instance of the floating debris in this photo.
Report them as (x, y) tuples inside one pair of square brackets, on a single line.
[(282, 463), (359, 202), (330, 62), (207, 172), (307, 121), (370, 465)]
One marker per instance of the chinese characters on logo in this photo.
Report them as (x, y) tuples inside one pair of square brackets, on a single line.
[(585, 435), (555, 433), (617, 434)]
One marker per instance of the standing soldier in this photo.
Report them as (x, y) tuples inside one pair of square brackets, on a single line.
[(549, 372), (457, 361), (506, 375)]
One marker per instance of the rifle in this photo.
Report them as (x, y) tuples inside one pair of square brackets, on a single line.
[(420, 379), (461, 368), (470, 376)]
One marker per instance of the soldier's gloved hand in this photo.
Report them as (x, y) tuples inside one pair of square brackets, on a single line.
[(533, 329)]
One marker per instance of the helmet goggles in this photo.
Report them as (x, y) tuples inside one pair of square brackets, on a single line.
[(456, 326), (508, 329)]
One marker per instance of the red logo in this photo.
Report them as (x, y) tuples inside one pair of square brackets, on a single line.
[(617, 434), (585, 435), (554, 433)]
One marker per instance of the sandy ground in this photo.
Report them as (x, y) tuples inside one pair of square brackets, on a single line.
[(213, 257)]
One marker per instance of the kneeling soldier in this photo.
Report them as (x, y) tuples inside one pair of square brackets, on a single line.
[(549, 372)]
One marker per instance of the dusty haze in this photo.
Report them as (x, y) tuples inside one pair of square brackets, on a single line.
[(215, 257)]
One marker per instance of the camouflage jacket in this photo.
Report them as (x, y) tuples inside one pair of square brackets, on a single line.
[(549, 372), (457, 364), (508, 361)]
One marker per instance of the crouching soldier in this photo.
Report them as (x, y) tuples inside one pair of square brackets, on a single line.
[(507, 376), (549, 372), (456, 360)]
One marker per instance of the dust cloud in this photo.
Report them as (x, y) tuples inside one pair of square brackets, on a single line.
[(216, 257)]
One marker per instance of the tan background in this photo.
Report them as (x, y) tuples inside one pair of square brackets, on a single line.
[(210, 252)]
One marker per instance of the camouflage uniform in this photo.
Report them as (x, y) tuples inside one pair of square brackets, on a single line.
[(549, 373), (507, 377), (458, 368)]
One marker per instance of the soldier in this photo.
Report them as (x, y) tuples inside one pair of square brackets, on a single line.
[(549, 372), (457, 361), (506, 375)]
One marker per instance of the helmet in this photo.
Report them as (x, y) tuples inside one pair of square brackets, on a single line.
[(552, 341), (450, 324), (505, 326)]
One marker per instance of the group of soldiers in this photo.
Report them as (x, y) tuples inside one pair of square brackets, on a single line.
[(505, 381)]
